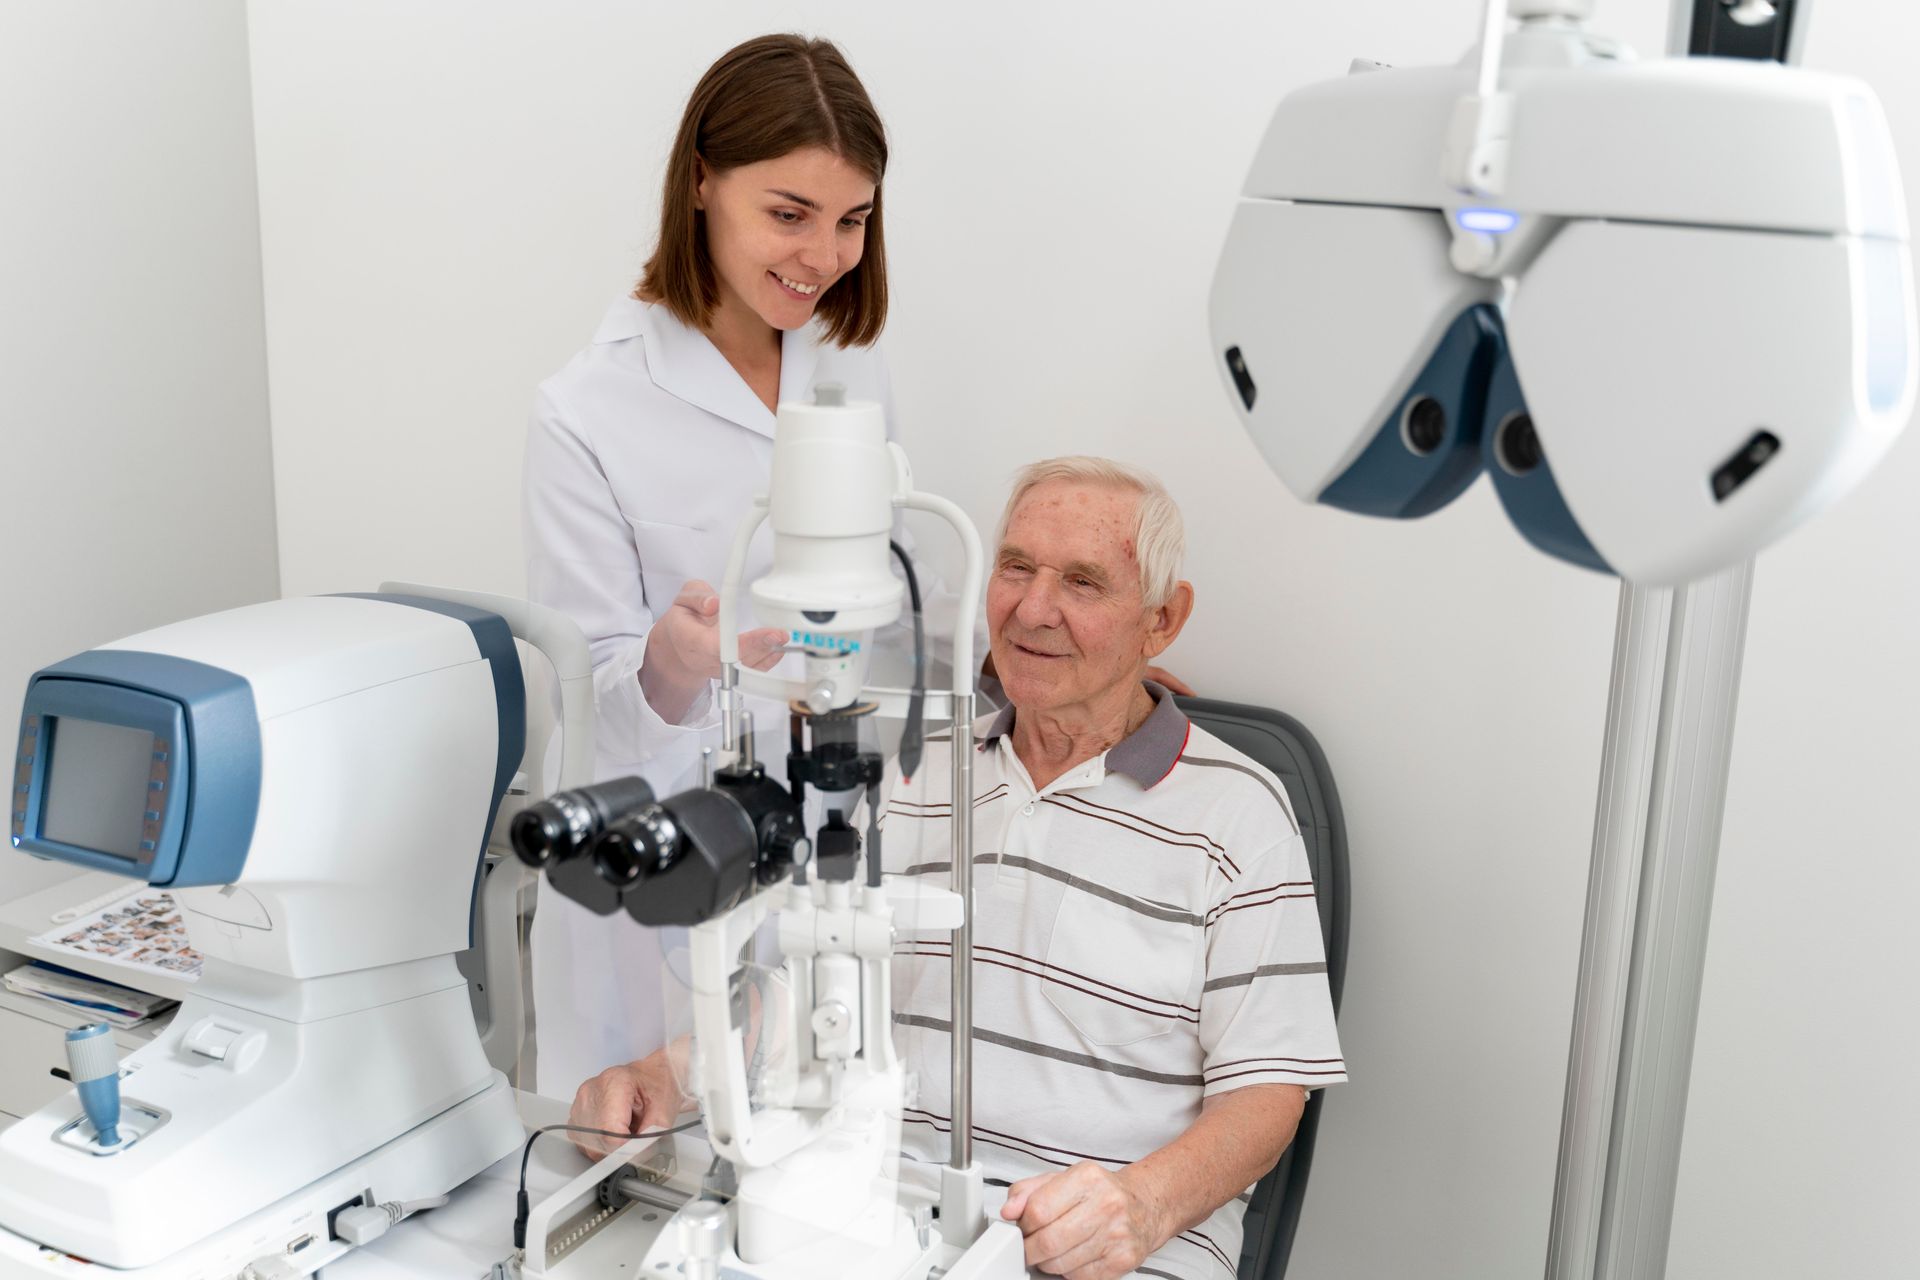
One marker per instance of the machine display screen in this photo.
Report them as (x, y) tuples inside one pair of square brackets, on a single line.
[(96, 786)]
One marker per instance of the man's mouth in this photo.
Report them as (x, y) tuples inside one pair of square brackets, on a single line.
[(794, 287), (1036, 653)]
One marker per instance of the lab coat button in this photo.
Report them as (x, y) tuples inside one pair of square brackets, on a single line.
[(1028, 810)]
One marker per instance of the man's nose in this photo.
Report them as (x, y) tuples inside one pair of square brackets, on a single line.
[(1039, 603)]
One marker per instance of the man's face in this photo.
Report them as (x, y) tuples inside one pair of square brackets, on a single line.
[(1064, 608)]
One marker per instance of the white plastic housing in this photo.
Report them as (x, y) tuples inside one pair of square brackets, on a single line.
[(334, 1068), (378, 750), (1651, 355), (1707, 141), (1369, 271), (831, 509)]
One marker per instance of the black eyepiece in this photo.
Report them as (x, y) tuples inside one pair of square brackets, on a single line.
[(536, 833), (636, 847), (566, 825)]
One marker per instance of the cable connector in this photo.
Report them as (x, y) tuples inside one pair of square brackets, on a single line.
[(365, 1223)]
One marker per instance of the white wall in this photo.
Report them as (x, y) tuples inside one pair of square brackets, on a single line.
[(450, 194), (133, 402)]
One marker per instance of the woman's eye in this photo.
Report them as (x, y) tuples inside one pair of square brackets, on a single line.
[(853, 224), (786, 215)]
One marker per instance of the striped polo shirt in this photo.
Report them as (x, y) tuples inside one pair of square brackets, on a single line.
[(1145, 936)]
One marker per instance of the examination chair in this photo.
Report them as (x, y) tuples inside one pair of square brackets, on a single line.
[(1284, 746)]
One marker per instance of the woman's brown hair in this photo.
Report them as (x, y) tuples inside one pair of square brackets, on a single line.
[(761, 100)]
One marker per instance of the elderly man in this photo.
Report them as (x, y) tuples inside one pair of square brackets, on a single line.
[(1150, 996)]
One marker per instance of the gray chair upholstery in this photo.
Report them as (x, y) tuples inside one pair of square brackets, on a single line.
[(1283, 745)]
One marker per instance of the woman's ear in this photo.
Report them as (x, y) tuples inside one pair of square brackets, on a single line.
[(702, 176)]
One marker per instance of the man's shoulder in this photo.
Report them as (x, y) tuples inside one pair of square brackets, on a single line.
[(1217, 778)]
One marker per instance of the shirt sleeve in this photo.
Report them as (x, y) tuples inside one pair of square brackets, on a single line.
[(1266, 1016), (582, 560)]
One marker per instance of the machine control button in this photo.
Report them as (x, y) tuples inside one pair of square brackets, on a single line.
[(211, 1040), (235, 1048)]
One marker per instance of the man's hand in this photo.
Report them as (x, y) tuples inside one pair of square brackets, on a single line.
[(626, 1099), (683, 650), (1085, 1223)]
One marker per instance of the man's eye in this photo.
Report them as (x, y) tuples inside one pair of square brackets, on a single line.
[(1010, 567)]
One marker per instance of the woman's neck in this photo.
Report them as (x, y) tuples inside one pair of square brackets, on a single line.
[(750, 345)]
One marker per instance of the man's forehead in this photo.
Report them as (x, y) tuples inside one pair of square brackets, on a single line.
[(1069, 521)]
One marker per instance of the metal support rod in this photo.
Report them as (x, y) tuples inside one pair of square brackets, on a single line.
[(1663, 786), (960, 1084)]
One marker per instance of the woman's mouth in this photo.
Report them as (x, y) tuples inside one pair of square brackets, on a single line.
[(794, 288)]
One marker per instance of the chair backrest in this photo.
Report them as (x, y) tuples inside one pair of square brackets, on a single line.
[(1283, 746)]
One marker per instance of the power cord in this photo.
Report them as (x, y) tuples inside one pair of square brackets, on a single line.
[(913, 736), (523, 1208)]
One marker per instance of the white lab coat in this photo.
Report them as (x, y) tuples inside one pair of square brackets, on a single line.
[(642, 456)]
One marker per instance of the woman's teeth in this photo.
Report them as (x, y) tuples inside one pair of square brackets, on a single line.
[(806, 290)]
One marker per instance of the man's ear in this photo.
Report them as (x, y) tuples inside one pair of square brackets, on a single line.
[(1164, 623)]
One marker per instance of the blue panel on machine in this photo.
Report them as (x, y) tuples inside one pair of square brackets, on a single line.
[(140, 764)]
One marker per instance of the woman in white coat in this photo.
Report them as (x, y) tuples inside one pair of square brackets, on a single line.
[(644, 451)]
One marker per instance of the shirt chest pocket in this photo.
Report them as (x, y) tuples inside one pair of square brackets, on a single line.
[(1122, 972)]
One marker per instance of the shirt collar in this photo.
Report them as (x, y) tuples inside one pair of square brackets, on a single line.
[(685, 364), (1146, 755)]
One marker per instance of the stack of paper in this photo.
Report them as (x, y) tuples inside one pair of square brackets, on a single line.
[(108, 1001)]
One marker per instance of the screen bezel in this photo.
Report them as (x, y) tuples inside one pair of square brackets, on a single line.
[(50, 699)]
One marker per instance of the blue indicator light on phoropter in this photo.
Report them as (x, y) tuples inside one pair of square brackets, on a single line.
[(1491, 221)]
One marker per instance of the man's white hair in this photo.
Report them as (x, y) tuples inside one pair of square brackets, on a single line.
[(1159, 534)]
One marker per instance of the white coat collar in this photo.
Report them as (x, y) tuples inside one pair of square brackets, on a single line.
[(685, 364)]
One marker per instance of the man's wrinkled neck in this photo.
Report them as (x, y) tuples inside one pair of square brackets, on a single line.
[(1052, 741)]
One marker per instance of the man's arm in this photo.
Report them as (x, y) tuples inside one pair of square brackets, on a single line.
[(1090, 1223)]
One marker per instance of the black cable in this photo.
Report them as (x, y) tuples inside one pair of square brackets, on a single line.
[(523, 1209), (913, 738)]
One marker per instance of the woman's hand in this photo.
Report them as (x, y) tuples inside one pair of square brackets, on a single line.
[(1171, 682), (683, 651), (631, 1098)]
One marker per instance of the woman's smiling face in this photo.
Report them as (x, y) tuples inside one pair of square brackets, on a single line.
[(781, 232)]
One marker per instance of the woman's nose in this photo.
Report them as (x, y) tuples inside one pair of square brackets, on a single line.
[(820, 254)]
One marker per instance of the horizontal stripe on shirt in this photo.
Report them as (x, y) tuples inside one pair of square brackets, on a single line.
[(1152, 910), (1072, 981), (1048, 1051), (1218, 859), (1265, 971)]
